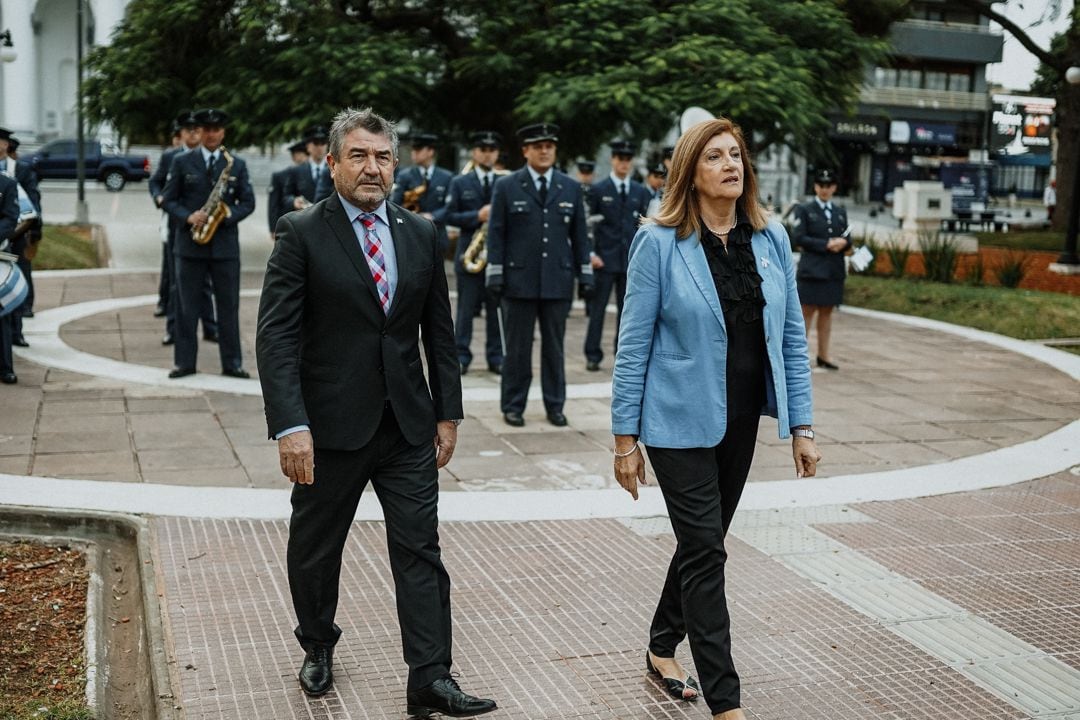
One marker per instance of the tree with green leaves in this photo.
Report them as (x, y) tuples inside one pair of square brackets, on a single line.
[(599, 68)]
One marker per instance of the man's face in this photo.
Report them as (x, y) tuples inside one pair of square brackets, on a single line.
[(191, 136), (212, 137), (3, 149), (299, 156), (824, 191), (655, 181), (365, 171), (485, 157), (621, 164), (423, 156), (539, 155), (317, 151)]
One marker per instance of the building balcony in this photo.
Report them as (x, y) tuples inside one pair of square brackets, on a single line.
[(956, 42), (931, 99)]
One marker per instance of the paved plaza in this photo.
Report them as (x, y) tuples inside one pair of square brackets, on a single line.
[(931, 571)]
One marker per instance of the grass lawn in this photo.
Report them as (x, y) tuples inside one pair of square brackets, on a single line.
[(1023, 240), (1024, 314), (66, 247)]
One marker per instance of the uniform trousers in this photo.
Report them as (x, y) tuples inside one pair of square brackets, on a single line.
[(519, 320), (472, 293), (172, 303), (407, 484), (191, 275), (7, 335), (701, 488), (605, 282)]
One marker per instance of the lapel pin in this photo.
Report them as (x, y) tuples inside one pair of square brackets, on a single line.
[(400, 221)]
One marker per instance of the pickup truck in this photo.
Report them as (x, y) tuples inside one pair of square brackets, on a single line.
[(56, 161)]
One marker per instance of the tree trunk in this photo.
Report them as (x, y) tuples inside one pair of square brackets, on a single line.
[(1068, 150)]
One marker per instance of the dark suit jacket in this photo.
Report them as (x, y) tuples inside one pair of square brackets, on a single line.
[(329, 357), (186, 191), (275, 204), (537, 249), (433, 201), (612, 236), (300, 183), (810, 231)]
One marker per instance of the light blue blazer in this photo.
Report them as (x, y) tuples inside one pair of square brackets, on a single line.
[(670, 379)]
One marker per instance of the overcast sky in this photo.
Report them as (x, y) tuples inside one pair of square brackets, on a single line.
[(1016, 71)]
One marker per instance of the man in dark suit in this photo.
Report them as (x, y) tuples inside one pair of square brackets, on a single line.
[(9, 218), (468, 206), (189, 139), (309, 182), (425, 172), (279, 181), (621, 202), (537, 243), (353, 285), (191, 180), (25, 176)]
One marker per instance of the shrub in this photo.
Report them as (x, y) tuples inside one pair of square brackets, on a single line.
[(976, 272), (940, 256), (898, 255), (1010, 273)]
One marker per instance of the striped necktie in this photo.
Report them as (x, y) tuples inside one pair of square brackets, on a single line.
[(375, 259)]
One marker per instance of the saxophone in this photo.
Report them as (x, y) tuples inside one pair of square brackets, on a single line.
[(474, 259), (411, 199), (215, 207)]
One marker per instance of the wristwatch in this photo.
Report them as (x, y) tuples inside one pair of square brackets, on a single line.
[(802, 432)]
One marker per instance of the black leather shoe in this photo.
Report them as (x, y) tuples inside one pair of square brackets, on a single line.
[(464, 368), (28, 313), (685, 689), (557, 419), (317, 674), (592, 365), (823, 363), (9, 378), (20, 342), (494, 368), (237, 373), (159, 311), (181, 372), (514, 419), (168, 339), (444, 696), (210, 337)]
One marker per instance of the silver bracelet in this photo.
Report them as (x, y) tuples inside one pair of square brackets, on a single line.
[(628, 453)]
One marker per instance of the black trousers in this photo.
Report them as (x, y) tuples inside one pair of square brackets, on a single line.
[(702, 487), (172, 302), (605, 281), (7, 326), (407, 484), (471, 295), (519, 320), (165, 281), (191, 276)]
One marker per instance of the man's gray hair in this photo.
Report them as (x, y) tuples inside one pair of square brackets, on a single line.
[(350, 118)]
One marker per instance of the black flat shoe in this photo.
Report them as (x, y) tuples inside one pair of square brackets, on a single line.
[(445, 697), (9, 378), (463, 368), (159, 311), (592, 365), (181, 372), (317, 674), (496, 369), (823, 363), (20, 342), (168, 339), (557, 419), (237, 373), (210, 337), (675, 688), (514, 419)]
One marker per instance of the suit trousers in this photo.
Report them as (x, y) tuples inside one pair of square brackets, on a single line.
[(172, 304), (191, 275), (605, 282), (407, 483), (701, 488), (471, 294), (519, 320)]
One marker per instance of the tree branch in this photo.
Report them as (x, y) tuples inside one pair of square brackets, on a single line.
[(984, 9)]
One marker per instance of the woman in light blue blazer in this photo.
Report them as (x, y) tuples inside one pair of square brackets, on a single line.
[(711, 338)]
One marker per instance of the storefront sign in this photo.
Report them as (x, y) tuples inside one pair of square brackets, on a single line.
[(859, 128), (1022, 125), (903, 132)]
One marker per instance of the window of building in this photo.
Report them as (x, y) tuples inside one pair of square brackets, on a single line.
[(884, 77), (908, 78), (935, 80), (960, 81)]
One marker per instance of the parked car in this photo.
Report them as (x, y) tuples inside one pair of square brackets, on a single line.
[(56, 161)]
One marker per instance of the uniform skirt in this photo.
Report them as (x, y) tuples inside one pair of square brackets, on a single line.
[(820, 292)]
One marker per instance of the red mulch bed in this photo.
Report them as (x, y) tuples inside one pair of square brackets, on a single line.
[(1038, 276)]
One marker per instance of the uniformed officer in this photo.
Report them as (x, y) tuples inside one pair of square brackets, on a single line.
[(191, 180), (9, 218), (27, 179), (537, 243), (820, 230), (468, 206), (654, 183), (310, 182), (156, 184), (190, 138), (275, 203), (621, 202), (425, 173), (586, 170)]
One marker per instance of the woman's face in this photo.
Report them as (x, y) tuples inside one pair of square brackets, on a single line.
[(719, 171)]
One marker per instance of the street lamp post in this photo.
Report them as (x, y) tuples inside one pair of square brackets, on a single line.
[(1069, 262), (82, 213)]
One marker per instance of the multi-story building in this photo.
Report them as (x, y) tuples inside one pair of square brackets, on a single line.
[(924, 110)]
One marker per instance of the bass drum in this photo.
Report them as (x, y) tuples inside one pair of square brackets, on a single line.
[(13, 286)]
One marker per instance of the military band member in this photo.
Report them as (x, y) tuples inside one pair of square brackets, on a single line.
[(310, 182), (9, 218), (424, 173), (275, 203), (537, 243), (621, 201), (468, 206), (156, 184), (24, 175), (586, 172), (191, 180)]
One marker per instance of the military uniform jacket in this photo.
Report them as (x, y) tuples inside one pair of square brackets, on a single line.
[(463, 203), (26, 176), (300, 183), (9, 209), (537, 249), (186, 191), (156, 183), (810, 231), (433, 201), (612, 235), (275, 203)]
